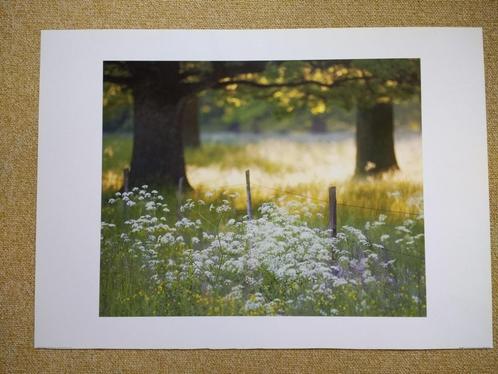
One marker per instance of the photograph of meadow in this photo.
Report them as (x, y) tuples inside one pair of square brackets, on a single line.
[(262, 188)]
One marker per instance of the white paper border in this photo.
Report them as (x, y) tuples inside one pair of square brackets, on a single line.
[(457, 241)]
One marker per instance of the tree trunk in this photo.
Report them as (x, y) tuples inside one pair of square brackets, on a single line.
[(318, 124), (189, 121), (234, 127), (375, 140), (157, 158)]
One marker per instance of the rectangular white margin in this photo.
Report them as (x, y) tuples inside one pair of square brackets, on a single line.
[(459, 311)]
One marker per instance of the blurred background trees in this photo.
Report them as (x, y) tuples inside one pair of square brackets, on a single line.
[(168, 104)]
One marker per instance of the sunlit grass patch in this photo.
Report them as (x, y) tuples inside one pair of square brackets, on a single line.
[(230, 156), (298, 166), (286, 161), (303, 160)]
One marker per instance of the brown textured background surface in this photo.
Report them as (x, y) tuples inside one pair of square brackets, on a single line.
[(20, 25)]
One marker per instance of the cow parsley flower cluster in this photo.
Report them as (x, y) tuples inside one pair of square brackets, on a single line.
[(203, 258)]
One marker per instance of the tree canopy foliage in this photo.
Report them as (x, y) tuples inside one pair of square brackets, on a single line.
[(316, 86)]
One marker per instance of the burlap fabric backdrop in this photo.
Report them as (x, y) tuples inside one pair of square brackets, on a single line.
[(20, 25)]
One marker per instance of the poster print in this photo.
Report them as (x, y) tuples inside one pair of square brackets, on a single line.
[(217, 179)]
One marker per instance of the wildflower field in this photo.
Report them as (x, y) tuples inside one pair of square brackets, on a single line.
[(198, 254)]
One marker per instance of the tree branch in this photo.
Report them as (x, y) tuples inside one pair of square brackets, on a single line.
[(288, 84)]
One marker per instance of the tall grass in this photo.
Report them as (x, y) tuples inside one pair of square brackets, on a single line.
[(204, 257), (380, 222)]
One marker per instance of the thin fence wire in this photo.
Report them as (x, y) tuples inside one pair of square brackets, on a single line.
[(380, 210), (285, 192), (291, 193)]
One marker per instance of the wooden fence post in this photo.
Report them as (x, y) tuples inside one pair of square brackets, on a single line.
[(179, 192), (249, 199), (179, 198), (126, 179), (333, 211)]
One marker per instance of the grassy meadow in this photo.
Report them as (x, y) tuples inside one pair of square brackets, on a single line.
[(198, 254)]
